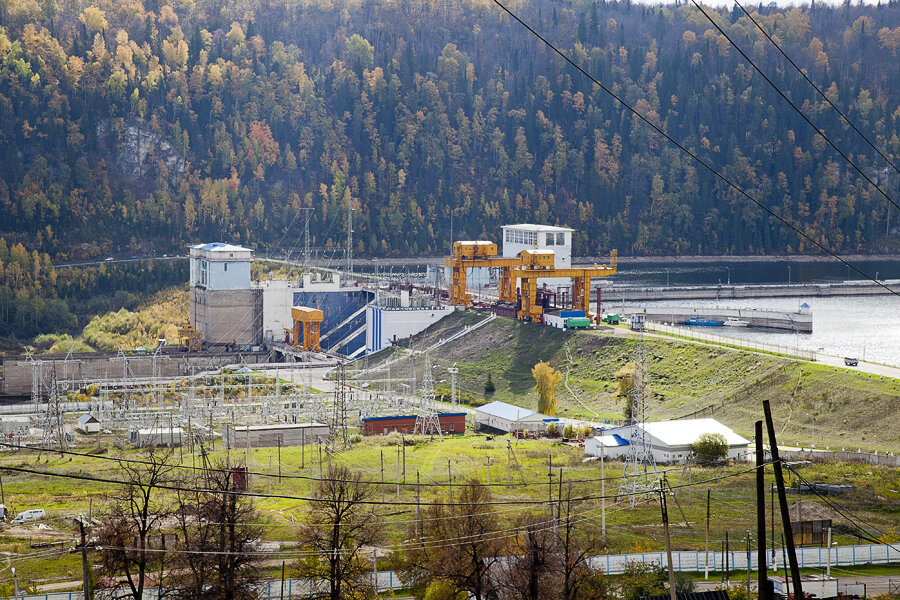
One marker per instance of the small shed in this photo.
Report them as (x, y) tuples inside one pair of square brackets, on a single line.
[(158, 436), (507, 418), (88, 423), (269, 436)]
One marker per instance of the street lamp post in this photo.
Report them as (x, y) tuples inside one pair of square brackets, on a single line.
[(789, 274), (667, 277), (729, 274)]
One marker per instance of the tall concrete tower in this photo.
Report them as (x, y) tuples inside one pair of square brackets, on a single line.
[(224, 307)]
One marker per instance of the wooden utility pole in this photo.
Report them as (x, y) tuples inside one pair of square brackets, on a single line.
[(665, 520), (761, 570), (706, 561), (748, 565), (602, 488), (727, 561), (85, 568), (418, 500), (382, 476), (782, 502)]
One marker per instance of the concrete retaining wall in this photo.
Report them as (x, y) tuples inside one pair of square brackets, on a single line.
[(81, 369)]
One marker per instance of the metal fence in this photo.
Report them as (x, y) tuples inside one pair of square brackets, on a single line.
[(695, 561), (692, 334), (612, 564), (271, 589)]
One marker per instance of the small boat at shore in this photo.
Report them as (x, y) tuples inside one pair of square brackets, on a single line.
[(703, 322), (736, 323)]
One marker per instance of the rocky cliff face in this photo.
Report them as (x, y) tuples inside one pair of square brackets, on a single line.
[(138, 151)]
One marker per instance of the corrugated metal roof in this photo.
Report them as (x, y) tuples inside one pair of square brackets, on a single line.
[(611, 441), (220, 247), (686, 431), (533, 227), (506, 411), (87, 418)]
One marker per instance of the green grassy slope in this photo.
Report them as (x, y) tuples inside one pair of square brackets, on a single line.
[(834, 408)]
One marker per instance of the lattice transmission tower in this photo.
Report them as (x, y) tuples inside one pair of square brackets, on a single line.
[(427, 421), (640, 479), (339, 408), (53, 420)]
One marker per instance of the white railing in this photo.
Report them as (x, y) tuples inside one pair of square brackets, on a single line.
[(692, 334)]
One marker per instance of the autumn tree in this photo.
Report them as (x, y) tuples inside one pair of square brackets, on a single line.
[(339, 524), (132, 524), (626, 380), (456, 544), (533, 565), (710, 447), (546, 378), (218, 530)]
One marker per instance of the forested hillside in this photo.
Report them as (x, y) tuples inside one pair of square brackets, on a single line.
[(126, 125)]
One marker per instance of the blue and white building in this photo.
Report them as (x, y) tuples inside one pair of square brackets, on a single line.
[(507, 418)]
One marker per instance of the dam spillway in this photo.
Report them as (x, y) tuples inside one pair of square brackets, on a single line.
[(797, 322)]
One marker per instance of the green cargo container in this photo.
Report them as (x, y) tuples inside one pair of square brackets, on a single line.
[(578, 323)]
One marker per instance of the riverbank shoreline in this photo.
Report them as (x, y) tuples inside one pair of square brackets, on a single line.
[(737, 258)]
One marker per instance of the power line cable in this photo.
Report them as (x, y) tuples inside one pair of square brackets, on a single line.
[(360, 465), (170, 487), (815, 87), (689, 153), (866, 535), (818, 130)]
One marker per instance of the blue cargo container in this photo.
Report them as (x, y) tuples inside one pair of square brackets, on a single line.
[(571, 313)]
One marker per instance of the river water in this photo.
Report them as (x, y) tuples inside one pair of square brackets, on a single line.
[(867, 327)]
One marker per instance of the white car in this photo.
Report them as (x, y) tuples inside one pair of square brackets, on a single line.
[(35, 514)]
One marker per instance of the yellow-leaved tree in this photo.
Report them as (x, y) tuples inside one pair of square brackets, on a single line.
[(546, 378), (625, 382)]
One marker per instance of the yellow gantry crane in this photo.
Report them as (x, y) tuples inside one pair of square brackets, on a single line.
[(537, 264), (309, 320), (529, 266)]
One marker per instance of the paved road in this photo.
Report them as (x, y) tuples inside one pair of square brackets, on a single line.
[(822, 359)]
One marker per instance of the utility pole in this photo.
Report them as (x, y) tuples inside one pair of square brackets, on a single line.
[(706, 561), (761, 570), (418, 501), (602, 492), (727, 561), (748, 565), (782, 502), (85, 568), (665, 520)]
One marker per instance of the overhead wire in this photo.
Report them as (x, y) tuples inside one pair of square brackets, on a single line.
[(815, 87), (691, 154), (231, 492), (360, 465), (817, 129), (843, 512)]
